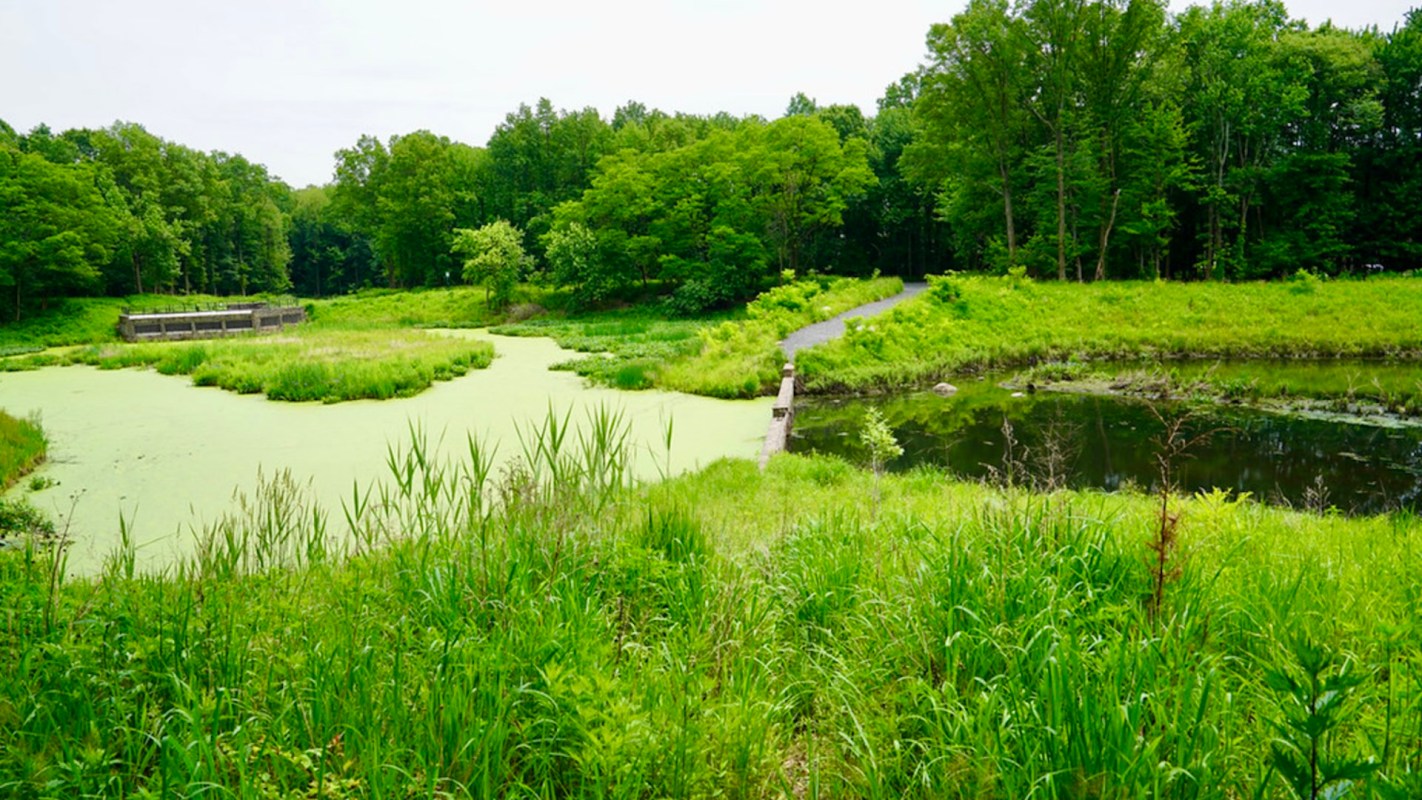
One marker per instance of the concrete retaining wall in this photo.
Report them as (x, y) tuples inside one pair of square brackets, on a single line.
[(782, 417), (235, 319)]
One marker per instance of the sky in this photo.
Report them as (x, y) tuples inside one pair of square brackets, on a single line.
[(288, 82)]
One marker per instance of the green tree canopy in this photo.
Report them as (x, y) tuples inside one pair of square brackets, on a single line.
[(493, 256)]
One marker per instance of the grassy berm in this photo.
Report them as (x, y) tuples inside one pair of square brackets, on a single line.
[(969, 323), (547, 630)]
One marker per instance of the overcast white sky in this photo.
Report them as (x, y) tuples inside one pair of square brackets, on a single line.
[(287, 82)]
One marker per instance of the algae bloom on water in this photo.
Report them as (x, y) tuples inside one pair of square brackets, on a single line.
[(167, 456)]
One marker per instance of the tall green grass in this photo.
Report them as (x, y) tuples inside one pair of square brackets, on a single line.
[(971, 323), (23, 447), (306, 363), (546, 629)]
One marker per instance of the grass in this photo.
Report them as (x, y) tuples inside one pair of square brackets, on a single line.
[(549, 630), (719, 357), (457, 307), (627, 348), (304, 363), (1349, 387), (359, 347), (22, 448), (973, 323)]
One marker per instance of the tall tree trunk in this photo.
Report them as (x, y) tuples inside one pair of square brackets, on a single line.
[(1061, 202), (137, 274), (1243, 225), (1216, 241), (1007, 214), (1106, 237), (1076, 237)]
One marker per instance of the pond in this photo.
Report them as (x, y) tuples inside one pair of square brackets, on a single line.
[(167, 456), (1109, 442)]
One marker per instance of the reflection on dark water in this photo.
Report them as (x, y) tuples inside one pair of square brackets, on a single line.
[(1108, 441)]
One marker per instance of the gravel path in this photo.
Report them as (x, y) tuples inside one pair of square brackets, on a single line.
[(833, 328)]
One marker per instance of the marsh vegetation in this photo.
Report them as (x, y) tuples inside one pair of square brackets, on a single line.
[(548, 629), (437, 595)]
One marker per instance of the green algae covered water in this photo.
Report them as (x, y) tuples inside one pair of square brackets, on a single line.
[(167, 456)]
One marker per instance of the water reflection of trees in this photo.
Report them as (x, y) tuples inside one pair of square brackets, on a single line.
[(1107, 442)]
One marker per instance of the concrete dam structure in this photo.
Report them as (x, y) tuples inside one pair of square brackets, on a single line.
[(200, 323)]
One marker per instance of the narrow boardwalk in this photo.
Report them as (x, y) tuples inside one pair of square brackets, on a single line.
[(833, 328), (777, 439)]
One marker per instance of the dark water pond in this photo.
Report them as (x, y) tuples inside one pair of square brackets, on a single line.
[(1108, 442)]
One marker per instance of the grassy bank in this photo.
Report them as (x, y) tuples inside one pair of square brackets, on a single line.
[(89, 320), (22, 448), (719, 357), (547, 631), (972, 323), (1344, 388), (627, 349)]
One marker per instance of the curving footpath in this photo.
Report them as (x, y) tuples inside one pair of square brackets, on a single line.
[(833, 328), (783, 412)]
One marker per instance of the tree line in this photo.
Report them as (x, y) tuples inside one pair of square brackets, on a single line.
[(119, 211), (1076, 139), (1106, 139)]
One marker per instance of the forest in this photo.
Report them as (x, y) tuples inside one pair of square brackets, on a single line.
[(1067, 139)]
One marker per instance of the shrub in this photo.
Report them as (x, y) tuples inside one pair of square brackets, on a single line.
[(944, 288)]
